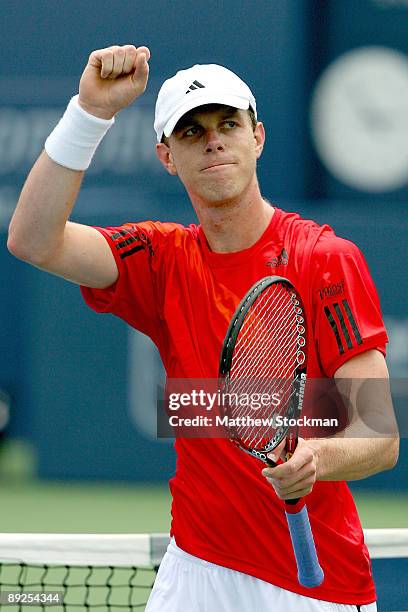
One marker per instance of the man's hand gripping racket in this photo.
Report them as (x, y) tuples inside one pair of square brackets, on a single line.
[(265, 355)]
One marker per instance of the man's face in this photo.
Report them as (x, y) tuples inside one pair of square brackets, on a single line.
[(213, 149)]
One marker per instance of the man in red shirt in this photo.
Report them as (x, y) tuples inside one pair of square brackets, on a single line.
[(180, 285)]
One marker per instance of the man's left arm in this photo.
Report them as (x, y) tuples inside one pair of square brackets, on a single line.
[(369, 445)]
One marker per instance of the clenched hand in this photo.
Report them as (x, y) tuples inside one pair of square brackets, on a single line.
[(294, 478), (113, 78)]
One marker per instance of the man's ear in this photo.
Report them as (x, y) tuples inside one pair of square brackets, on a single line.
[(164, 154), (259, 135)]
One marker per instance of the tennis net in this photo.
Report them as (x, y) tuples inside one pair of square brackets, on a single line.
[(80, 571), (116, 572)]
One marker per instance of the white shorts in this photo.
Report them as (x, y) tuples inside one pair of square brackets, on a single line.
[(186, 583)]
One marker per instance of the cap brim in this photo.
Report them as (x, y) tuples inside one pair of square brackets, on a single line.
[(199, 98)]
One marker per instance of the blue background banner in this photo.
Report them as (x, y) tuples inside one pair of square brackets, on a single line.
[(83, 386)]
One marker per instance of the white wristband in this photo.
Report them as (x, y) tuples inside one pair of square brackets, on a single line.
[(76, 137)]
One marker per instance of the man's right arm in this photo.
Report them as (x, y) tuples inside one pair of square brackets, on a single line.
[(40, 232)]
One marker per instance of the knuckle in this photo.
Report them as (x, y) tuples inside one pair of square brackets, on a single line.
[(308, 483), (97, 53), (312, 474), (310, 454), (130, 49), (292, 468), (106, 51), (106, 55)]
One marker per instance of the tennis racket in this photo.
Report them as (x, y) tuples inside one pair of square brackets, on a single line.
[(265, 355)]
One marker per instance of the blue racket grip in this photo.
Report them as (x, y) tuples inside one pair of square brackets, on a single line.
[(310, 574)]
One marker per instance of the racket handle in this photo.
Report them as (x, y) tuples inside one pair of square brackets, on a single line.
[(310, 574)]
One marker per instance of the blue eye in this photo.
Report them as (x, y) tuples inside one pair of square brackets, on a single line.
[(230, 123)]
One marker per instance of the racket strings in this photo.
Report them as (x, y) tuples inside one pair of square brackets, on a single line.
[(261, 364), (263, 356), (257, 316), (256, 437), (281, 393), (265, 359), (268, 323), (258, 338), (270, 344), (249, 333), (283, 351)]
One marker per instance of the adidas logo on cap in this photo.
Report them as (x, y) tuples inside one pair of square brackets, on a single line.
[(194, 85)]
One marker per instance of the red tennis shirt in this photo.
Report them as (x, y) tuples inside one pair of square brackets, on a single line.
[(173, 288)]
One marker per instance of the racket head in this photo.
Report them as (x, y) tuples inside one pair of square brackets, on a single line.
[(264, 353)]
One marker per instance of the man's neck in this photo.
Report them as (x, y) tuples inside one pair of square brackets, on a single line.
[(236, 225)]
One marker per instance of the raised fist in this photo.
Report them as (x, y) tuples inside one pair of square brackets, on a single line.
[(113, 78)]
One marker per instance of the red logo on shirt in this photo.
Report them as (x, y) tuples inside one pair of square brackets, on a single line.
[(332, 290)]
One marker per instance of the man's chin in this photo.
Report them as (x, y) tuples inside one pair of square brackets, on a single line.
[(218, 194), (220, 202), (219, 197)]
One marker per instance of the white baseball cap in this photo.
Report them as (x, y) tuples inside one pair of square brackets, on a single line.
[(201, 84)]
